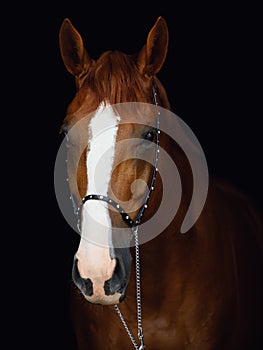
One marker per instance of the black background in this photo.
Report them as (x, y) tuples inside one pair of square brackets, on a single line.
[(212, 75)]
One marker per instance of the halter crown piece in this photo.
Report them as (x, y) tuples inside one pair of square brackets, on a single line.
[(133, 224)]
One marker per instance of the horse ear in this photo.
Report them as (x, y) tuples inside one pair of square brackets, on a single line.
[(153, 54), (74, 55)]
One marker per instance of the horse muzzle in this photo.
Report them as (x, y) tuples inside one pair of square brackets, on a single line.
[(98, 290)]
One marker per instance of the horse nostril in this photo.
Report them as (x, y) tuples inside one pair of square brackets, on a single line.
[(84, 284), (88, 286), (117, 283), (107, 288), (113, 286)]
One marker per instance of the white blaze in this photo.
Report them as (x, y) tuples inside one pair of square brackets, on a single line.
[(93, 255)]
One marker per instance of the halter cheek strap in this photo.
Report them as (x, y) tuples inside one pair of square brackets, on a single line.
[(128, 220)]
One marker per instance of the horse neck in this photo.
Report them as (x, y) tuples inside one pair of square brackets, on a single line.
[(182, 187)]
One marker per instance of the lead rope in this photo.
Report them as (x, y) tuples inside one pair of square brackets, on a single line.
[(138, 297)]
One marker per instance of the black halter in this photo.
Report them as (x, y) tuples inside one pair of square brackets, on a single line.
[(129, 221)]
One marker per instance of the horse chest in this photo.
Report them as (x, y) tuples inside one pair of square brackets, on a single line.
[(99, 327)]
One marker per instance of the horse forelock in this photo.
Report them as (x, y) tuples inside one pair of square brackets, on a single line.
[(115, 77)]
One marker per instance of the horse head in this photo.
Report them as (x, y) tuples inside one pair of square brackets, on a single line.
[(111, 127)]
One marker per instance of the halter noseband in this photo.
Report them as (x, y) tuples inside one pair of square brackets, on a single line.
[(128, 220)]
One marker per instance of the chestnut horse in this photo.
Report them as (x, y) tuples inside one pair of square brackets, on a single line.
[(199, 290)]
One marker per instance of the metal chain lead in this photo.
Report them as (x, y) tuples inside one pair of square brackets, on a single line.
[(138, 286), (126, 327), (137, 257), (138, 297)]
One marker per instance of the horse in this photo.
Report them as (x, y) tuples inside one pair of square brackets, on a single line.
[(198, 290)]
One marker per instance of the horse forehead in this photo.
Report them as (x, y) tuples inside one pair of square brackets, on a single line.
[(130, 117), (136, 113)]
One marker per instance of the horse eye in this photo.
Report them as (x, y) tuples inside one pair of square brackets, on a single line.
[(149, 136)]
